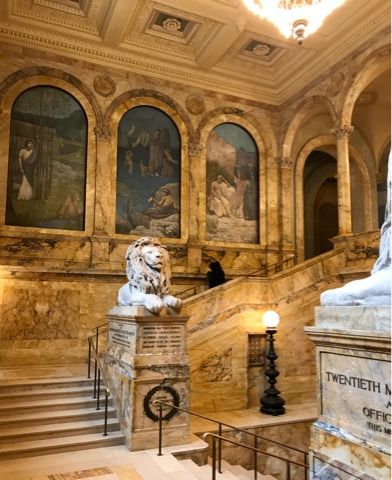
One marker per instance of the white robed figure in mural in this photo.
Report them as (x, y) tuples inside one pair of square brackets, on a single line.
[(376, 289)]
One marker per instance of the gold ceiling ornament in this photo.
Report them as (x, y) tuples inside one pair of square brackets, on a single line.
[(294, 18)]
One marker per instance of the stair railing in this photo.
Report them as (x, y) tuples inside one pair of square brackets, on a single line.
[(93, 351), (160, 404), (218, 438), (276, 267)]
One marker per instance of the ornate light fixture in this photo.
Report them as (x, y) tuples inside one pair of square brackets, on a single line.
[(297, 18)]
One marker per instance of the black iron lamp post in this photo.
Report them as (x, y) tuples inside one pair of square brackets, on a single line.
[(271, 402)]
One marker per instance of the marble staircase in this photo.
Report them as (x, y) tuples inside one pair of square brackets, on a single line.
[(53, 415), (116, 463)]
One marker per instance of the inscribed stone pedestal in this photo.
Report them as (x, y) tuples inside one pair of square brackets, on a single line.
[(146, 360), (351, 438)]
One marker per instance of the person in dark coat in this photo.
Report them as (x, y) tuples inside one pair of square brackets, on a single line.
[(216, 276)]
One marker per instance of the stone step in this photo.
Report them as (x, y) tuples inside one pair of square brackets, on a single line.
[(62, 444), (57, 416), (202, 473), (40, 432), (39, 393), (244, 474), (51, 405), (8, 386)]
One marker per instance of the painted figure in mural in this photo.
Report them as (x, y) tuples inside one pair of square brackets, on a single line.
[(163, 207), (27, 158), (240, 185), (216, 275), (71, 208), (140, 149), (156, 154), (128, 162), (169, 163), (149, 276), (219, 198), (376, 289), (250, 207)]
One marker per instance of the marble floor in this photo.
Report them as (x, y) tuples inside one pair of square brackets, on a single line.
[(117, 463)]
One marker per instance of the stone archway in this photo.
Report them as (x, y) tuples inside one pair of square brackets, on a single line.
[(363, 208)]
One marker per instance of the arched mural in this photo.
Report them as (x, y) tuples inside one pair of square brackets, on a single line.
[(232, 185), (148, 174), (47, 161)]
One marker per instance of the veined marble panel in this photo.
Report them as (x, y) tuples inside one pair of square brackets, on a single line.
[(39, 314), (354, 318), (355, 391)]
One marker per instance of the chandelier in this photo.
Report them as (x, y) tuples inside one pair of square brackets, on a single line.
[(296, 18)]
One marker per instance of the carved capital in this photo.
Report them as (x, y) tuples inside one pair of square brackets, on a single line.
[(102, 131), (285, 162), (342, 131), (194, 149)]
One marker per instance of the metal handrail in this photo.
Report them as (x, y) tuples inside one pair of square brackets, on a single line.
[(194, 288), (255, 451), (98, 369), (159, 403), (274, 266)]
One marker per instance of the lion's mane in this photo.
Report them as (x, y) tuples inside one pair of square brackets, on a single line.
[(143, 277)]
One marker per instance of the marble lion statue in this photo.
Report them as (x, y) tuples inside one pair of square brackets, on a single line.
[(149, 276)]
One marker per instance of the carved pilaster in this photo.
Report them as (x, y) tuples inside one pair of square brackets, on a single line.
[(103, 132), (285, 163), (343, 131), (194, 149)]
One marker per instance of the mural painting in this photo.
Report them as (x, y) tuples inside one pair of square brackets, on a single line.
[(232, 185), (47, 161), (148, 174)]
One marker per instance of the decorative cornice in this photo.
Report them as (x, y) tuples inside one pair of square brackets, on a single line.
[(103, 55), (60, 6)]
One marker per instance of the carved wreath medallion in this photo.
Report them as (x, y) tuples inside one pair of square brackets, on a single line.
[(165, 393)]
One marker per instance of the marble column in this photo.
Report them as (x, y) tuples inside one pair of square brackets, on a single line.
[(103, 195), (286, 202), (344, 184), (197, 212)]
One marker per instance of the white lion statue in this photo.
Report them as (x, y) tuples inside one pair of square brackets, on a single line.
[(149, 276)]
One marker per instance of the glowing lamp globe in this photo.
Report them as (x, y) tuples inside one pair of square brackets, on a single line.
[(271, 319)]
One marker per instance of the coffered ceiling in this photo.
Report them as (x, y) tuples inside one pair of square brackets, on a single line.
[(215, 44)]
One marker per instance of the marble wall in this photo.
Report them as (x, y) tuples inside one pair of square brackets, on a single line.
[(56, 285)]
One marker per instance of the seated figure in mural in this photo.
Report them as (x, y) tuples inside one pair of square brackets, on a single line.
[(163, 207), (27, 158), (219, 201), (376, 289), (149, 276)]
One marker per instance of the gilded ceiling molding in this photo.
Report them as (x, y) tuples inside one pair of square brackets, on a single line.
[(55, 73), (88, 51), (153, 94)]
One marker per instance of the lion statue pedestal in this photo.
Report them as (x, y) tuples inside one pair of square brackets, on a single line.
[(146, 357)]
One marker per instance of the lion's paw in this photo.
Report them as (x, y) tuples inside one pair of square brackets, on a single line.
[(173, 302), (153, 303)]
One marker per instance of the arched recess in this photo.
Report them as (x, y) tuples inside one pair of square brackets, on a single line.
[(10, 89), (304, 110), (362, 206), (376, 64), (113, 117), (320, 189), (205, 127)]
